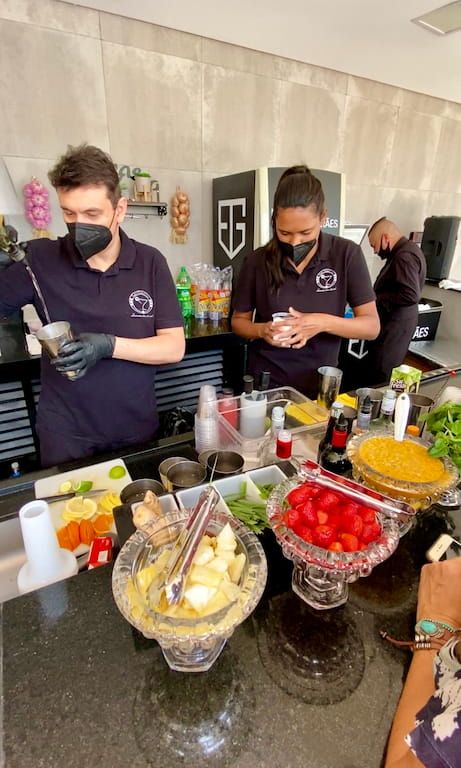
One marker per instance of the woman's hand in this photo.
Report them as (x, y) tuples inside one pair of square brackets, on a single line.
[(439, 595), (276, 334), (304, 325)]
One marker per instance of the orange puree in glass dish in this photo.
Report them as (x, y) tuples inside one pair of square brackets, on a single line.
[(404, 460)]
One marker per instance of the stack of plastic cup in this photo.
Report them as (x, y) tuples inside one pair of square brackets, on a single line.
[(206, 419)]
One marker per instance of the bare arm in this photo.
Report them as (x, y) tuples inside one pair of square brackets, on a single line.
[(419, 686), (439, 599), (168, 346)]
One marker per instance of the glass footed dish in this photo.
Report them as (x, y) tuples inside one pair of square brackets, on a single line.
[(320, 576), (188, 645), (421, 495)]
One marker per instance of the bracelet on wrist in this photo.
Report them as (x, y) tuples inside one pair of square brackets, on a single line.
[(430, 635)]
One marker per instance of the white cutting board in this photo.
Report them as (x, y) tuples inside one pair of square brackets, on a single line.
[(98, 474)]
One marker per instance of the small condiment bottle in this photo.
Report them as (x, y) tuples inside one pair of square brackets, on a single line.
[(284, 444), (364, 416)]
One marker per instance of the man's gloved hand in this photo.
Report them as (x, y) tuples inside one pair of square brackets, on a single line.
[(79, 355)]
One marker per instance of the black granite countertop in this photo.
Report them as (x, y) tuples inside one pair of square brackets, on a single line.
[(293, 687), (199, 334)]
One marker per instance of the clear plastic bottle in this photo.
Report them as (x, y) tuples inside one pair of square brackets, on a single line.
[(387, 410), (364, 416), (268, 454)]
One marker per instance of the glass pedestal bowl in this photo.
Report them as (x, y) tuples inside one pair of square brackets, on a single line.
[(420, 494), (188, 645), (321, 577)]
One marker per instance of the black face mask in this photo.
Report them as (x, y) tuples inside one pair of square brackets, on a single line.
[(90, 239), (384, 253), (297, 253)]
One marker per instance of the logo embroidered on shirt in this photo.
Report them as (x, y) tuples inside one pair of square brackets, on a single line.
[(141, 303), (326, 280)]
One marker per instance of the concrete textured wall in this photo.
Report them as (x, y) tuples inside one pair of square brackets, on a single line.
[(189, 108)]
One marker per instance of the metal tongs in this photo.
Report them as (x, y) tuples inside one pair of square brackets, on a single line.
[(186, 545), (310, 470)]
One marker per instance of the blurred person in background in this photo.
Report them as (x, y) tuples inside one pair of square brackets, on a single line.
[(398, 290)]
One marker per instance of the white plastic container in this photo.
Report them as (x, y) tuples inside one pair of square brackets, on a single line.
[(46, 561)]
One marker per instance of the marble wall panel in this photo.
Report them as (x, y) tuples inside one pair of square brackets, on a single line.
[(309, 74), (368, 139), (154, 107), (414, 150), (311, 126), (52, 14), (447, 166), (370, 89), (55, 97), (237, 58), (240, 120), (150, 37)]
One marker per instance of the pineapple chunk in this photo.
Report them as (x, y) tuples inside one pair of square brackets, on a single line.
[(236, 567), (218, 564), (219, 601), (204, 554), (206, 577), (225, 554), (145, 577), (198, 596), (226, 538), (231, 590)]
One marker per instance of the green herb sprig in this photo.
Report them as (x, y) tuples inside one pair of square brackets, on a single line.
[(444, 422)]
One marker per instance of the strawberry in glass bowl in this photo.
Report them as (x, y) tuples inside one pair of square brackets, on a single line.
[(334, 531)]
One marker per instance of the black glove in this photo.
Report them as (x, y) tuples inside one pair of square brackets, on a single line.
[(81, 354)]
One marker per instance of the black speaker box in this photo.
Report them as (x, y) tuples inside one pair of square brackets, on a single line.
[(438, 245)]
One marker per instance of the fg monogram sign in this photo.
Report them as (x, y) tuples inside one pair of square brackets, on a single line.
[(232, 225)]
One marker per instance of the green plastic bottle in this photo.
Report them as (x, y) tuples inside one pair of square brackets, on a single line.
[(183, 285)]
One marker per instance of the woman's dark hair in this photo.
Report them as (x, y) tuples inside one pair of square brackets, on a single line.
[(297, 188), (85, 165)]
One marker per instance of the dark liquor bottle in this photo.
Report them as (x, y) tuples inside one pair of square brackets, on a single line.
[(334, 456), (336, 410), (264, 381)]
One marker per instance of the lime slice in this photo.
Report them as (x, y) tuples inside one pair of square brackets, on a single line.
[(65, 487), (82, 486), (117, 472)]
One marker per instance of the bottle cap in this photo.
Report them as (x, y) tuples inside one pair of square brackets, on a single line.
[(248, 384), (284, 436)]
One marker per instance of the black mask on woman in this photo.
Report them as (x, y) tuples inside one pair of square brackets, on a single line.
[(297, 253), (90, 239)]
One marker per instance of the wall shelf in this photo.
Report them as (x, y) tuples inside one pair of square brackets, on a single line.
[(137, 210)]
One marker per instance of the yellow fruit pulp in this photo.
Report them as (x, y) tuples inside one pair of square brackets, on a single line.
[(401, 460)]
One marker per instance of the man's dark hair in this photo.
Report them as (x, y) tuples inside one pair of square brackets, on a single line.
[(297, 188), (85, 165), (378, 221)]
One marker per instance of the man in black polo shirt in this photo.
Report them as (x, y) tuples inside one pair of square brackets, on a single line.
[(120, 300), (312, 275), (398, 290)]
